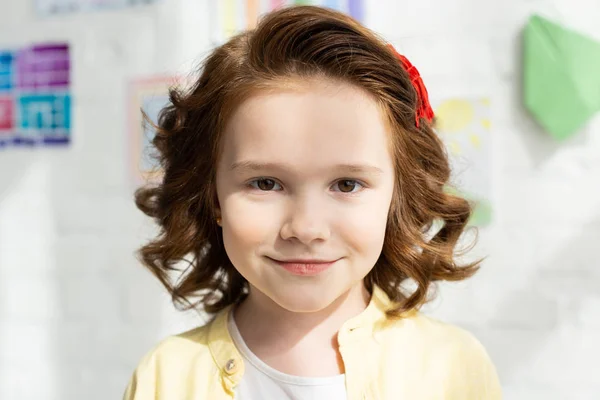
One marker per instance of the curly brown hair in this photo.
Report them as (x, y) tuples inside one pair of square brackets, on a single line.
[(299, 42)]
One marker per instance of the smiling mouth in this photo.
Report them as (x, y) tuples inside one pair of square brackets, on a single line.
[(304, 267)]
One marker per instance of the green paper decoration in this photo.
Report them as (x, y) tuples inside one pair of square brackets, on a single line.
[(561, 76)]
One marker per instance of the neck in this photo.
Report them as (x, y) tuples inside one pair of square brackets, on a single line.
[(293, 342)]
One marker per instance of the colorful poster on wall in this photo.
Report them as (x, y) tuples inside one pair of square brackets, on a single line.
[(230, 17), (35, 100), (149, 95), (56, 7), (7, 102), (464, 126)]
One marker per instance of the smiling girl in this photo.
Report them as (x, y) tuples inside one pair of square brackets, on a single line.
[(302, 179)]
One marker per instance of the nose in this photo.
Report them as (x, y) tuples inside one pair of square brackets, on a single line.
[(306, 222)]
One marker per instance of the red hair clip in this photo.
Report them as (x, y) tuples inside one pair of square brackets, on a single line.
[(424, 109)]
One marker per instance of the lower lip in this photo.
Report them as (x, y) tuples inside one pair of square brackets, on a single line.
[(305, 269)]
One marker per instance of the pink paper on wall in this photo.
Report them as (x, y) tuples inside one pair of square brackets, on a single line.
[(151, 96)]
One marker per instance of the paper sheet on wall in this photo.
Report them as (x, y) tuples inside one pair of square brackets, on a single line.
[(35, 102), (150, 95), (52, 7), (230, 17), (464, 126)]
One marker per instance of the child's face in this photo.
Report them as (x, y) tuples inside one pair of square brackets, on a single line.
[(287, 192)]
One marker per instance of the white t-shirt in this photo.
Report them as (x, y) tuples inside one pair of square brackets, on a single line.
[(262, 382)]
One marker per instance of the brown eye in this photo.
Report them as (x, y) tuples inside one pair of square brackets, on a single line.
[(347, 185), (264, 184)]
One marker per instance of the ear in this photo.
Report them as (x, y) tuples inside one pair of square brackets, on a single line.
[(216, 205), (217, 214)]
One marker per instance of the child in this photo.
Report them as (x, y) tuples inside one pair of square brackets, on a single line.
[(303, 177)]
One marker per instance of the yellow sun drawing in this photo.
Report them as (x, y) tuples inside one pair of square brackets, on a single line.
[(458, 116), (464, 125), (454, 115)]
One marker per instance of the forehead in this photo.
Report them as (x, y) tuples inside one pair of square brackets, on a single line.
[(312, 123)]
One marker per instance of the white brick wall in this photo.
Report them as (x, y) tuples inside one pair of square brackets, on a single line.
[(77, 312)]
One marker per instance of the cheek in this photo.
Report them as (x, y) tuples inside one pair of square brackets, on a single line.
[(247, 226), (364, 229)]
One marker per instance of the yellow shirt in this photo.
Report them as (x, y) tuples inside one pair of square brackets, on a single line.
[(413, 358)]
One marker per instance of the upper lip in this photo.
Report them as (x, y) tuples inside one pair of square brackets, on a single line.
[(304, 261)]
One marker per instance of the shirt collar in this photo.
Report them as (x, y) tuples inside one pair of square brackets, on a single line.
[(224, 353), (368, 323), (229, 360)]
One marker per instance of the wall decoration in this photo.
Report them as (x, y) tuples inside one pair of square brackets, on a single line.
[(58, 7), (35, 100), (230, 17), (560, 77), (464, 126), (150, 95)]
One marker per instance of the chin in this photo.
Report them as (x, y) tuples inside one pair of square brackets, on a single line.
[(303, 299), (304, 306)]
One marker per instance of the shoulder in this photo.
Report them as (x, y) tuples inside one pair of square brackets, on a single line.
[(447, 342), (170, 364), (182, 347), (438, 334), (447, 352)]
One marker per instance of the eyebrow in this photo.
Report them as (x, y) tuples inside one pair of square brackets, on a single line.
[(252, 166)]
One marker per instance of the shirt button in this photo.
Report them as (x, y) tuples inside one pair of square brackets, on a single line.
[(231, 366)]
